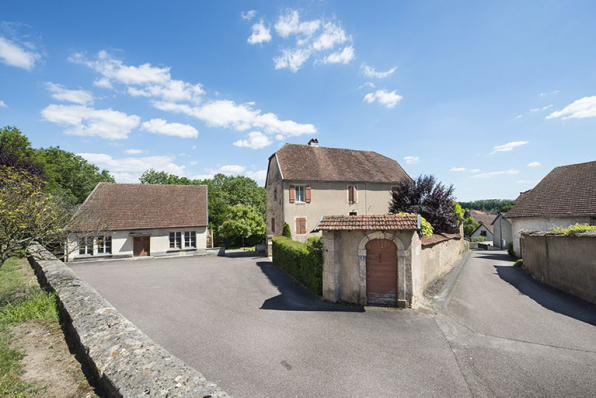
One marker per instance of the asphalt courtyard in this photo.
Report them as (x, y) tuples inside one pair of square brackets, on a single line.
[(245, 325)]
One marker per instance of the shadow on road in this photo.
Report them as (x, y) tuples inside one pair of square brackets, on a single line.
[(498, 256), (243, 254), (294, 297), (548, 296)]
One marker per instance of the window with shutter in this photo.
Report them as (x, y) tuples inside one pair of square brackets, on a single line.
[(300, 225), (292, 194), (307, 194), (352, 194)]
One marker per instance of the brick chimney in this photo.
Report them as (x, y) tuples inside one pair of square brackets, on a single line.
[(313, 142)]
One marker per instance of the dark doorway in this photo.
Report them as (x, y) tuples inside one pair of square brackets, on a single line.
[(381, 272), (141, 246)]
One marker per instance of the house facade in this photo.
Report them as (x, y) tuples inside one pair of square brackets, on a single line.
[(306, 182), (566, 196), (502, 233), (140, 220), (483, 231)]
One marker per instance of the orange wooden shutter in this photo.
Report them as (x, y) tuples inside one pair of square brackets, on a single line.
[(308, 194), (292, 194), (300, 225), (303, 225), (297, 226), (355, 194), (351, 194)]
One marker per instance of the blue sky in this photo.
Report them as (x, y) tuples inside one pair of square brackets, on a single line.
[(489, 96)]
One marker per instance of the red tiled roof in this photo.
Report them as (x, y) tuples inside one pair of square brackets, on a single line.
[(139, 206), (368, 223), (482, 217), (565, 191), (437, 238), (304, 162)]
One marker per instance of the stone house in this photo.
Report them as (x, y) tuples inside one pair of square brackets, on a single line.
[(502, 234), (566, 196), (485, 231), (139, 220), (307, 182)]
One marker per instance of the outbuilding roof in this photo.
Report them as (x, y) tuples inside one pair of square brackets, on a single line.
[(305, 162), (368, 223), (565, 191), (141, 206)]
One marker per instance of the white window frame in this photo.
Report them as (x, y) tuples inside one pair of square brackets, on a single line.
[(177, 240), (190, 237), (86, 244), (103, 244), (301, 188)]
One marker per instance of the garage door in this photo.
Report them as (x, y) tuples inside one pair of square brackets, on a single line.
[(381, 272)]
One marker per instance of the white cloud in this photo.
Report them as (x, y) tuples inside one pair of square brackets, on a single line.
[(551, 93), (340, 57), (371, 72), (508, 147), (130, 169), (160, 126), (494, 173), (144, 80), (260, 34), (3, 104), (230, 169), (317, 38), (534, 164), (248, 15), (134, 151), (256, 140), (61, 93), (474, 171), (16, 54), (259, 175), (518, 116), (367, 84), (228, 114), (87, 121), (540, 109), (457, 169), (383, 97), (582, 108), (104, 82), (412, 159)]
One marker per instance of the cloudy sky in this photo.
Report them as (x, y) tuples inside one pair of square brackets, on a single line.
[(489, 96)]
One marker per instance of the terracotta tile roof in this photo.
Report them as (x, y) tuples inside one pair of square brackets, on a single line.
[(368, 223), (140, 206), (304, 162), (482, 217), (437, 238), (565, 191), (489, 227)]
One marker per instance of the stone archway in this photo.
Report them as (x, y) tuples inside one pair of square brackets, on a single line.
[(402, 291)]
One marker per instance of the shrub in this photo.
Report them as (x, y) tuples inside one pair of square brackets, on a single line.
[(479, 239), (573, 229), (510, 250), (427, 229), (286, 232), (303, 261), (519, 263)]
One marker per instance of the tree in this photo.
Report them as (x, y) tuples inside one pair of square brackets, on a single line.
[(70, 174), (16, 152), (161, 177), (470, 226), (287, 232), (242, 223), (488, 205), (28, 213), (429, 198)]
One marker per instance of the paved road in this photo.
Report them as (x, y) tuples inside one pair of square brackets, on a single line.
[(249, 328)]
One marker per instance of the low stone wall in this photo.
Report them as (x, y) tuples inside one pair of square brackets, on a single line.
[(565, 262), (438, 255), (125, 361)]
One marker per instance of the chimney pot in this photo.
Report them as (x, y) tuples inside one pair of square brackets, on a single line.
[(313, 142)]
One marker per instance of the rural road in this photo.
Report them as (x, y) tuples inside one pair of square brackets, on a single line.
[(246, 326)]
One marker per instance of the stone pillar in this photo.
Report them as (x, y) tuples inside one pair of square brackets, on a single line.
[(402, 277), (269, 246), (362, 263), (330, 268)]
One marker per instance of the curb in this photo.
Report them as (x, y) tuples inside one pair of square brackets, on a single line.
[(442, 299)]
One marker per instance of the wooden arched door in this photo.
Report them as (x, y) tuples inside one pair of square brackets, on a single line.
[(381, 272)]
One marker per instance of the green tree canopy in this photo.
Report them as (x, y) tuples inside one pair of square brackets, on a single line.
[(152, 176), (488, 205), (16, 151), (242, 222), (470, 226)]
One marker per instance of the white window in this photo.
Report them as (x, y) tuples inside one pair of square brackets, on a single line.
[(190, 239), (104, 245), (175, 240), (86, 246), (299, 193)]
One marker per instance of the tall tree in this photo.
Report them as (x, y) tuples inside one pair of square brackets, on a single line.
[(429, 198), (152, 176), (16, 151), (242, 223)]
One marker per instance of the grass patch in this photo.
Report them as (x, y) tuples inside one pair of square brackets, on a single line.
[(11, 384)]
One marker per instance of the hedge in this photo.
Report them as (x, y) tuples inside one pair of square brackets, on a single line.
[(303, 261)]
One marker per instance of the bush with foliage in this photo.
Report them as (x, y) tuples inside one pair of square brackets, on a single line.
[(488, 205), (303, 261), (572, 229), (427, 229), (510, 250), (470, 226), (429, 198), (243, 225), (287, 232), (479, 239), (519, 263)]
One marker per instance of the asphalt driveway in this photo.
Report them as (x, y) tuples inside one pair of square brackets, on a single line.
[(248, 327)]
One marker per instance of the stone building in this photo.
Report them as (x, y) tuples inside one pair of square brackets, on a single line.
[(138, 220), (306, 182), (566, 196)]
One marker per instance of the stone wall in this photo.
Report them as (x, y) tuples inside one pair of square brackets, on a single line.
[(439, 254), (125, 361), (565, 262)]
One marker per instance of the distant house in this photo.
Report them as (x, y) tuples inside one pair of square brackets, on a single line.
[(140, 220), (566, 196), (502, 234), (307, 182), (485, 229)]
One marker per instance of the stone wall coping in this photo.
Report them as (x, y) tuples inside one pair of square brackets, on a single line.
[(126, 362), (551, 234), (437, 238)]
